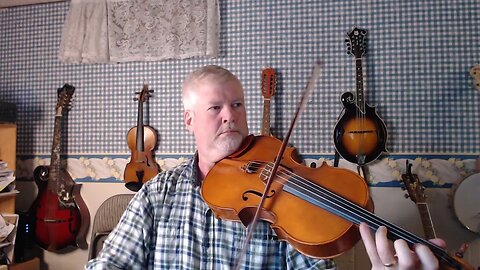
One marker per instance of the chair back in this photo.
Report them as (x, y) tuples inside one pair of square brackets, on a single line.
[(106, 218)]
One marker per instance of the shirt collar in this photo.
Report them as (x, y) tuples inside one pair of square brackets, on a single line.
[(195, 176)]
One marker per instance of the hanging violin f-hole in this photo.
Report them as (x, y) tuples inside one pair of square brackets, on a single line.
[(141, 140)]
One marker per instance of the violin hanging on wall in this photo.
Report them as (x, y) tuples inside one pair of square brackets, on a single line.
[(61, 216), (141, 140), (360, 135)]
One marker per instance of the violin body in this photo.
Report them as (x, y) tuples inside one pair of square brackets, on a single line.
[(142, 166), (319, 234), (316, 210)]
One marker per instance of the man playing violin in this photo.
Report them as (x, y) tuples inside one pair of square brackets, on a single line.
[(168, 225)]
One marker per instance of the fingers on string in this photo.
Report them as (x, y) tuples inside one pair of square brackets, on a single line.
[(426, 257), (406, 258), (369, 243), (384, 248)]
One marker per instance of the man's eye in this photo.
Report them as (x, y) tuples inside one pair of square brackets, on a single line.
[(237, 104), (214, 108)]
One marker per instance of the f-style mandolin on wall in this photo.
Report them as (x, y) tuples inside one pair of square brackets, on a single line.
[(61, 216), (360, 135), (141, 140)]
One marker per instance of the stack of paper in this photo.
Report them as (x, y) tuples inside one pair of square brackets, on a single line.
[(6, 177)]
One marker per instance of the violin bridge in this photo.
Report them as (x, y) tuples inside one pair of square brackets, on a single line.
[(251, 167)]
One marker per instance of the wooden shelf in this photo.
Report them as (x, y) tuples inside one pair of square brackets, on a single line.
[(8, 154), (8, 144)]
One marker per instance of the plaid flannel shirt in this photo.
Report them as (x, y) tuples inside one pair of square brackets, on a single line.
[(167, 225)]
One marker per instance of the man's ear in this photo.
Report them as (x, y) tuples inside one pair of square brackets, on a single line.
[(188, 120)]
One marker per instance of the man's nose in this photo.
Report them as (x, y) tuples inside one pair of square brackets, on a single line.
[(228, 114)]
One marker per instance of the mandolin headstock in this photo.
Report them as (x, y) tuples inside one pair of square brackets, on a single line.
[(356, 42), (64, 100)]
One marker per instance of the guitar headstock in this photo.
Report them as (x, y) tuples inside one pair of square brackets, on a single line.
[(413, 186), (475, 72), (64, 100), (356, 42), (144, 94), (269, 82)]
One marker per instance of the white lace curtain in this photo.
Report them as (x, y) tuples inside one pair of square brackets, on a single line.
[(100, 31)]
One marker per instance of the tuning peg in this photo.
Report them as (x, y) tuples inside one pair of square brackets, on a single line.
[(135, 99), (151, 91), (406, 195), (403, 187)]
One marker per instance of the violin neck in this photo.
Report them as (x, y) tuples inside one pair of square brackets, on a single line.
[(348, 210), (140, 144)]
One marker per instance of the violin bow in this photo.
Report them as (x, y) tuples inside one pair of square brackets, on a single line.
[(301, 106)]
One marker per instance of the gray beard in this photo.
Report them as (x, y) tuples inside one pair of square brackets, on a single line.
[(230, 145)]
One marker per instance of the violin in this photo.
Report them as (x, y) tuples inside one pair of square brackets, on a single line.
[(316, 210), (141, 140)]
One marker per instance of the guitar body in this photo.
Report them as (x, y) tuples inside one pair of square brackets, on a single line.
[(59, 225), (359, 137)]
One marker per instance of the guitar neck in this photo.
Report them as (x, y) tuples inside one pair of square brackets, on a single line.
[(426, 219), (266, 117), (360, 99)]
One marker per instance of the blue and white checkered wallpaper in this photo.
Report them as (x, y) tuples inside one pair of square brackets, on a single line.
[(417, 62)]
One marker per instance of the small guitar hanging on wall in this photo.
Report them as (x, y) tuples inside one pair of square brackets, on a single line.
[(61, 216), (141, 140), (416, 193), (360, 135), (269, 84)]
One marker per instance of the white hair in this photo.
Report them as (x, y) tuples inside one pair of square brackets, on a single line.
[(210, 72)]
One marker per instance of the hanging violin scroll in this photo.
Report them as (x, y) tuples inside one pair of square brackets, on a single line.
[(360, 135), (269, 85), (142, 140), (61, 216)]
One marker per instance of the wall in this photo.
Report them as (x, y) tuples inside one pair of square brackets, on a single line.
[(416, 73)]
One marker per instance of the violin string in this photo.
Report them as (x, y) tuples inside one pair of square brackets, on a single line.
[(363, 214), (351, 211)]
